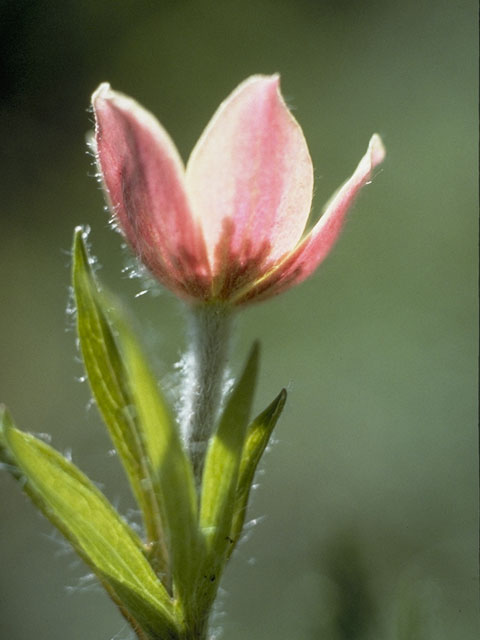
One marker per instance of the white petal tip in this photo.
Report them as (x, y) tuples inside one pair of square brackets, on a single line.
[(376, 149), (102, 91), (267, 81)]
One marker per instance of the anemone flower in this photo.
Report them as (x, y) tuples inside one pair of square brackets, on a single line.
[(230, 227)]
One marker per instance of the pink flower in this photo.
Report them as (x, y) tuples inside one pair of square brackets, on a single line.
[(229, 227)]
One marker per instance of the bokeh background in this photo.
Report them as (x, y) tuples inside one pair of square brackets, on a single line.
[(366, 513)]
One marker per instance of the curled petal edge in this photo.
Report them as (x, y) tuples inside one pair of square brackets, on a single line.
[(300, 263)]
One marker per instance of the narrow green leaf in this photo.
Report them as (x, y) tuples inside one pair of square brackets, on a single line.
[(258, 435), (93, 527), (220, 477), (138, 449), (173, 472), (6, 459)]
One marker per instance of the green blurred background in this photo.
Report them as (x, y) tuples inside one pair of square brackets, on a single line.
[(367, 511)]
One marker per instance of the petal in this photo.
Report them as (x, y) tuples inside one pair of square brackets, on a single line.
[(314, 248), (250, 177), (144, 179)]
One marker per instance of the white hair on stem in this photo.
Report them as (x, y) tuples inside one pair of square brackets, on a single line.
[(205, 380)]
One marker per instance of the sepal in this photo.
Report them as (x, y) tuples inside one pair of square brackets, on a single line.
[(258, 436), (173, 476), (220, 479)]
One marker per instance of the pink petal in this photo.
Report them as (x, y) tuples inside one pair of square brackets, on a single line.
[(144, 178), (250, 178), (314, 248)]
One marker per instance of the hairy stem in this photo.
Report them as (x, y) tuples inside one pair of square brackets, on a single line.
[(205, 378)]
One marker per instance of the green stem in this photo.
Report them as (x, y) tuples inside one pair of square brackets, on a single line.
[(210, 330)]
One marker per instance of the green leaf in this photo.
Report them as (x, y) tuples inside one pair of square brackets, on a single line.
[(137, 448), (173, 472), (258, 435), (86, 518), (220, 478)]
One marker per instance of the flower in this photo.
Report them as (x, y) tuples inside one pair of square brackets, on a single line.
[(230, 227)]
